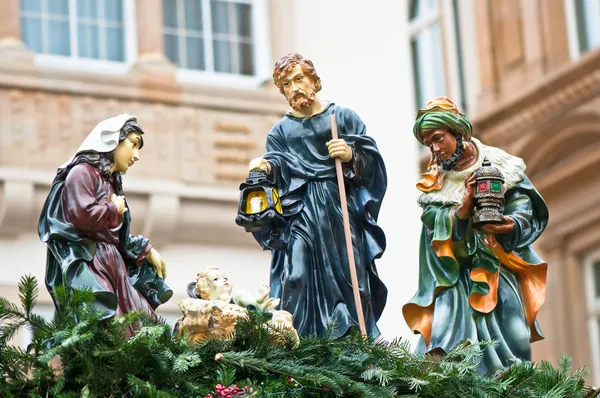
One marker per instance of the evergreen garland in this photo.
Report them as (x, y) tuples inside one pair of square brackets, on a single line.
[(98, 360)]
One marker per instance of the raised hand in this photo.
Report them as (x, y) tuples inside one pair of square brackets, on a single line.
[(339, 149), (119, 201), (504, 228), (260, 164), (157, 263)]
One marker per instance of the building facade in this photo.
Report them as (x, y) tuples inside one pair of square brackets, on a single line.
[(197, 74), (535, 92)]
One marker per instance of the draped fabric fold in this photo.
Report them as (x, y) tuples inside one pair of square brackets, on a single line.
[(311, 276), (477, 286), (89, 246)]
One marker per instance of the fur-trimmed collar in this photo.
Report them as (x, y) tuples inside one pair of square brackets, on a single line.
[(512, 167)]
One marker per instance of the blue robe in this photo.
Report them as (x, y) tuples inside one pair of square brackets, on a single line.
[(311, 274)]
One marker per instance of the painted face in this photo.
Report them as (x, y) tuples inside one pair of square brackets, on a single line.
[(127, 153), (298, 88), (441, 142), (218, 283)]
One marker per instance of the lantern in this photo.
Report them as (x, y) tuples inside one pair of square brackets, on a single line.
[(489, 195), (259, 209)]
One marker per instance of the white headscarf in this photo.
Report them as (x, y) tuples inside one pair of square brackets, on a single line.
[(104, 137)]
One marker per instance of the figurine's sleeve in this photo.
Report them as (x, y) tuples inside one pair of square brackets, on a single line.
[(363, 163), (283, 161), (286, 168), (442, 222), (459, 226), (81, 205), (275, 147), (138, 246), (527, 208)]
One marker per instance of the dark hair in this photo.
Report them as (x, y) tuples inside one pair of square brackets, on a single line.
[(287, 62), (103, 161)]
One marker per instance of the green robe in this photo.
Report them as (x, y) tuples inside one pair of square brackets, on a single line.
[(478, 287), (90, 247)]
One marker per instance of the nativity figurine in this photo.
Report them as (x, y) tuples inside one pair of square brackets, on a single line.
[(212, 309), (310, 265), (85, 223), (479, 277)]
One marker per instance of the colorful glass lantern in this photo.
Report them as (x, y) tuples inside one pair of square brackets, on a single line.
[(489, 197), (259, 209)]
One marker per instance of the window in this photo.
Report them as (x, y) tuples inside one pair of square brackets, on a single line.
[(86, 30), (437, 51), (583, 19), (592, 279), (216, 37)]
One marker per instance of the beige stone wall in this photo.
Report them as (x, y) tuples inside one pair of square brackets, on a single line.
[(183, 193), (538, 104)]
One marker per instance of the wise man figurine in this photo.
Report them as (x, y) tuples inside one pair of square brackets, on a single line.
[(483, 283), (309, 268)]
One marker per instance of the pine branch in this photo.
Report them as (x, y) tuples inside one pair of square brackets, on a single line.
[(28, 293), (100, 360)]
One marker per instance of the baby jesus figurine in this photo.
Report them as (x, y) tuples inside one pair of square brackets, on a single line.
[(212, 310)]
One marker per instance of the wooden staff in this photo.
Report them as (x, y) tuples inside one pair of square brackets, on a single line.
[(346, 218)]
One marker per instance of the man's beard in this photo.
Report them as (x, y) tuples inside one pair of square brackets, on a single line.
[(300, 101), (450, 164)]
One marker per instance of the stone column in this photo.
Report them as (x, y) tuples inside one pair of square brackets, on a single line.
[(12, 50), (488, 77), (534, 52), (578, 346), (152, 65), (554, 37), (553, 317), (9, 21)]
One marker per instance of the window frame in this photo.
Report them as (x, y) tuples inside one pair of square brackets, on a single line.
[(572, 33), (444, 16), (260, 50), (75, 63), (593, 311)]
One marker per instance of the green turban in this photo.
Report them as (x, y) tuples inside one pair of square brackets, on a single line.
[(455, 123)]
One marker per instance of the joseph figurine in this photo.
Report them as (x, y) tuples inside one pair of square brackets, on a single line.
[(476, 284), (311, 274)]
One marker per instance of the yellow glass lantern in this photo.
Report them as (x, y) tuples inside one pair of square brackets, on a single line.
[(259, 207)]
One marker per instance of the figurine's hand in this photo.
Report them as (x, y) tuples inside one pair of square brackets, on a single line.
[(269, 304), (468, 203), (157, 263), (504, 228), (119, 201), (260, 164), (263, 292), (339, 149)]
